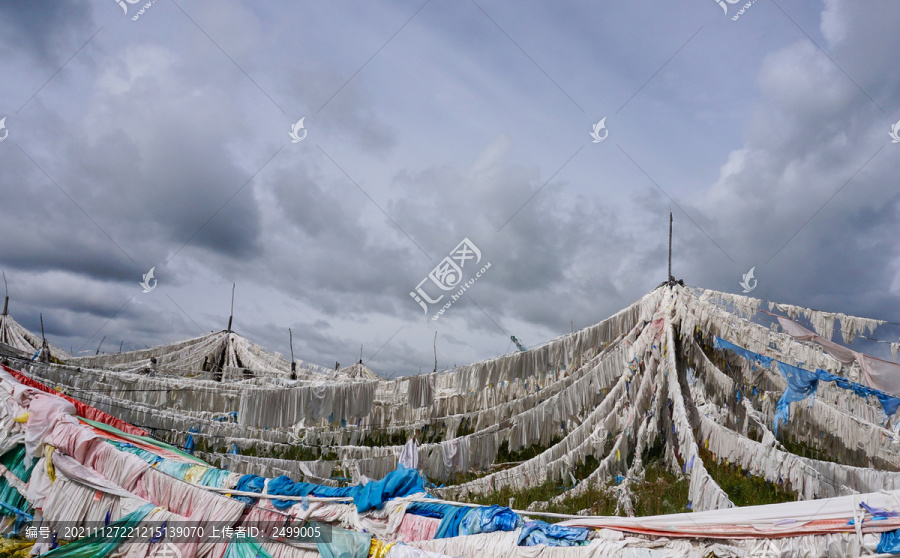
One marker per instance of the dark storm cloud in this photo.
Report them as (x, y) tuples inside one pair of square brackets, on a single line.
[(41, 224), (45, 31), (167, 159), (548, 262)]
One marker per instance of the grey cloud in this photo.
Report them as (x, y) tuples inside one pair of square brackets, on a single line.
[(46, 31), (450, 130)]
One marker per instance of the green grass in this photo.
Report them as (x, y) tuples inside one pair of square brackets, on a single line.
[(595, 499), (523, 454), (660, 492), (521, 499), (744, 489)]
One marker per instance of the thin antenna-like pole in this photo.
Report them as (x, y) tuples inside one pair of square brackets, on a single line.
[(6, 300), (360, 354), (120, 345), (435, 351), (45, 347), (293, 363), (231, 317), (671, 279), (291, 337), (100, 345), (573, 326)]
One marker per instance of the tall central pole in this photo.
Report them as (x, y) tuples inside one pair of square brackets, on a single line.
[(231, 317), (293, 362), (6, 300), (671, 279)]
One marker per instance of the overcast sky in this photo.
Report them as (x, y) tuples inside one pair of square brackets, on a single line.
[(161, 140)]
